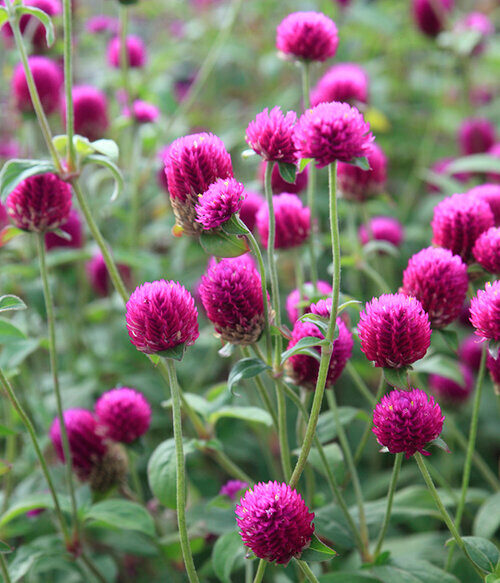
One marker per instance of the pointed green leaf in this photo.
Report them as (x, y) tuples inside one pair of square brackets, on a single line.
[(221, 244), (474, 163), (235, 226), (319, 321), (482, 551), (112, 167), (317, 551), (396, 377), (227, 550), (175, 353), (16, 170), (493, 349), (441, 443), (361, 163), (119, 514), (304, 346), (43, 17), (5, 548), (303, 163), (11, 302), (450, 337), (108, 148), (487, 519), (245, 369), (250, 414), (288, 171)]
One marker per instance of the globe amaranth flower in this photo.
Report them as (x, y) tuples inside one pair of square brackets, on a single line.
[(332, 131), (382, 229), (39, 203), (90, 111), (192, 164), (270, 135), (304, 369), (493, 366), (441, 167), (430, 15), (458, 221), (293, 221), (98, 275), (478, 23), (406, 421), (102, 23), (485, 312), (231, 294), (73, 227), (439, 281), (279, 184), (311, 36), (86, 445), (490, 193), (250, 207), (476, 135), (110, 470), (144, 112), (294, 304), (220, 202), (274, 522), (343, 82), (124, 413), (232, 487), (360, 185), (394, 330), (48, 81), (449, 391), (35, 27), (135, 51), (486, 250), (161, 315), (469, 352)]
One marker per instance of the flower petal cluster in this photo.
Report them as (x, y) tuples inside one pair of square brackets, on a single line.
[(343, 82), (293, 300), (144, 112), (279, 184), (72, 226), (232, 487), (382, 229), (486, 250), (449, 391), (428, 19), (360, 185), (274, 522), (220, 202), (270, 135), (490, 193), (250, 207), (91, 112), (98, 275), (476, 135), (293, 221), (48, 81), (485, 312), (469, 351), (135, 51)]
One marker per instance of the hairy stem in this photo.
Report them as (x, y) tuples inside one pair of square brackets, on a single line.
[(304, 567), (68, 83)]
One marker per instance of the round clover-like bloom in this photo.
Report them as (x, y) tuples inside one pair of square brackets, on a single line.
[(102, 23), (406, 421), (124, 413), (232, 487), (343, 82), (479, 23), (270, 135), (486, 250), (485, 312), (358, 184), (231, 294), (304, 369), (476, 135), (293, 221), (72, 226), (36, 28), (311, 36), (86, 444), (438, 279), (293, 302), (110, 470), (458, 221), (274, 522), (161, 315), (490, 193), (469, 352), (39, 203), (144, 112), (441, 167), (382, 229), (449, 391), (332, 131), (431, 21), (250, 207), (394, 330), (48, 81), (279, 184), (220, 202), (135, 50), (98, 275), (91, 112), (192, 164)]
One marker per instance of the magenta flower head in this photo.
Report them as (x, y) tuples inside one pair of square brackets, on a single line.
[(231, 488), (469, 352), (476, 135), (293, 221), (310, 36), (406, 421), (293, 303), (494, 370), (343, 82), (485, 312), (192, 164), (441, 167), (332, 131), (144, 112), (438, 279), (102, 24), (490, 193), (449, 391), (39, 203), (91, 112), (36, 28), (231, 294), (458, 221), (274, 522), (124, 413), (430, 15), (161, 315), (486, 250), (86, 444), (382, 229), (98, 275), (279, 184), (136, 52), (479, 23), (394, 330), (271, 135), (250, 207), (220, 202), (48, 81), (360, 185), (72, 226)]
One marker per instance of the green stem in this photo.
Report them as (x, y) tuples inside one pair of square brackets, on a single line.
[(49, 307), (4, 569), (135, 476), (283, 434), (249, 572), (374, 276), (299, 279), (181, 474), (227, 464), (360, 384), (92, 568), (304, 567), (135, 198), (398, 460), (123, 16), (261, 569), (10, 455), (68, 83)]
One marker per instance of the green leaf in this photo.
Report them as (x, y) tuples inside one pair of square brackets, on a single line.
[(249, 153), (303, 163), (250, 414), (440, 365), (5, 431), (107, 148), (379, 246), (5, 548), (346, 304), (15, 352), (450, 337), (10, 333), (333, 456), (11, 302), (361, 162), (441, 443), (16, 170), (288, 171), (474, 163), (227, 550), (43, 17), (227, 350), (175, 353), (347, 577), (411, 571), (4, 15), (112, 167), (235, 226), (221, 244), (326, 428), (8, 233), (122, 514), (245, 369), (29, 503), (319, 321), (487, 519), (317, 551), (482, 551), (396, 377), (303, 346)]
